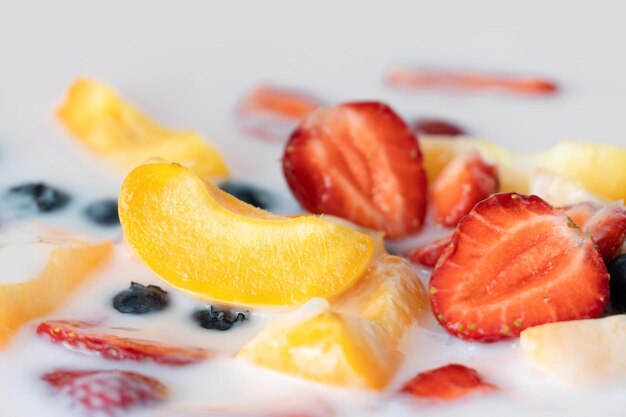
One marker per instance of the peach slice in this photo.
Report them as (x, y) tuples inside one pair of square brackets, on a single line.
[(355, 341), (598, 168), (70, 262), (206, 242), (108, 126)]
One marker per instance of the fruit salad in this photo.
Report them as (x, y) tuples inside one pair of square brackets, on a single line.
[(421, 272)]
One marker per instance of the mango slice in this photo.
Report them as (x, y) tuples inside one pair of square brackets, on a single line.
[(70, 263), (598, 168), (355, 341), (113, 129), (206, 242)]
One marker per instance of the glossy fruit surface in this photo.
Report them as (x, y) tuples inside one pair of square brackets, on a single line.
[(141, 299), (204, 241), (446, 383)]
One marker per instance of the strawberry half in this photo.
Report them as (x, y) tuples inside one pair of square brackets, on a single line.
[(580, 213), (106, 392), (516, 262), (447, 383), (608, 230), (462, 183), (359, 161), (89, 338), (270, 112), (428, 255)]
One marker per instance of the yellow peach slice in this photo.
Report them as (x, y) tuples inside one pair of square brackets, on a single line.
[(206, 242), (355, 341), (70, 263), (598, 168), (108, 126)]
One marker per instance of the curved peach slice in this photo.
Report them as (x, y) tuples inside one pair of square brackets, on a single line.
[(355, 341), (598, 168), (69, 263), (206, 242), (110, 127)]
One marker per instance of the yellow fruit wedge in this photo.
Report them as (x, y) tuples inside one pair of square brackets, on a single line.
[(206, 242), (598, 168), (578, 352), (70, 262), (113, 129), (354, 342)]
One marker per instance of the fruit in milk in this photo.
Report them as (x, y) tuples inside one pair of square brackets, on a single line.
[(70, 263), (354, 342), (113, 129), (204, 241)]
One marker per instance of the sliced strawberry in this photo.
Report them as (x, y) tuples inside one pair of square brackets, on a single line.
[(89, 338), (608, 230), (580, 213), (447, 383), (516, 262), (432, 79), (428, 255), (106, 392), (462, 183), (359, 161), (437, 127), (271, 113)]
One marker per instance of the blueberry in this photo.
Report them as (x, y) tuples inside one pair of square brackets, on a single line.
[(139, 299), (248, 194), (37, 196), (222, 319), (617, 270), (103, 212)]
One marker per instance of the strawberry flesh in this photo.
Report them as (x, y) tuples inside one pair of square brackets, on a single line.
[(428, 255), (580, 213), (429, 79), (437, 127), (90, 338), (359, 161), (106, 392), (447, 383), (516, 262), (608, 230), (463, 182)]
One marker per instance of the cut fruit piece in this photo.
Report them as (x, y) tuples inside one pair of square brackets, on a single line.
[(559, 191), (608, 230), (598, 168), (580, 213), (447, 383), (206, 242), (108, 126), (359, 161), (578, 352), (428, 255), (70, 263), (516, 262), (355, 341), (464, 181)]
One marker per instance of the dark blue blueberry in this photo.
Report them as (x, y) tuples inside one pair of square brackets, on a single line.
[(139, 299), (219, 319), (617, 270), (37, 196), (103, 212), (254, 196)]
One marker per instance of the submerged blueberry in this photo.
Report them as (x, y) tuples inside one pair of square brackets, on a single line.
[(219, 319), (103, 212), (37, 196), (141, 299), (254, 196)]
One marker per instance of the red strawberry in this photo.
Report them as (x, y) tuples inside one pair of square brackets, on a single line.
[(429, 79), (437, 127), (608, 230), (91, 338), (359, 161), (429, 254), (462, 183), (446, 383), (581, 212), (106, 392), (516, 262), (271, 112)]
